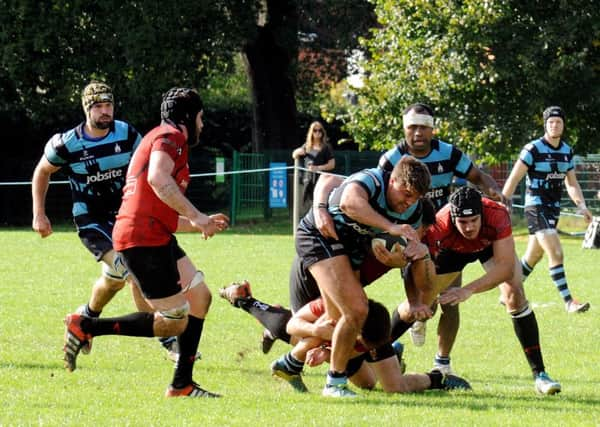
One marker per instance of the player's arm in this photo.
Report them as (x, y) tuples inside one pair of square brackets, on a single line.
[(487, 184), (575, 193), (516, 175), (39, 188), (354, 202), (501, 270), (323, 221), (304, 323), (159, 177)]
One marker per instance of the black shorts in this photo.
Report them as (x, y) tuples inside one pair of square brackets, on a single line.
[(541, 217), (376, 355), (154, 268), (312, 247), (449, 261), (96, 235), (303, 286)]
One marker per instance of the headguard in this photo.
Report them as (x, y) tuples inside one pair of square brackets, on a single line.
[(553, 111), (466, 201), (182, 105), (94, 93)]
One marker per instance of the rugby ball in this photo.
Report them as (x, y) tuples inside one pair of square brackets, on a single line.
[(389, 241)]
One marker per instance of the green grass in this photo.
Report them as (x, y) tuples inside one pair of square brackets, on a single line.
[(123, 380)]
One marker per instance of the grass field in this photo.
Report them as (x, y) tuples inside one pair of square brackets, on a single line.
[(122, 382)]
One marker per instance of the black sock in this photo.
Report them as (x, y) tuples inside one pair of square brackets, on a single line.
[(271, 317), (188, 346), (138, 324), (399, 326), (526, 329), (89, 312), (436, 378), (292, 364)]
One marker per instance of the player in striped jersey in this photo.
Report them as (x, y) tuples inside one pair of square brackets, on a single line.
[(444, 161), (94, 155), (548, 163)]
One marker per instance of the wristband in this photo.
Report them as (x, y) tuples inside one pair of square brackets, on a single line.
[(322, 206)]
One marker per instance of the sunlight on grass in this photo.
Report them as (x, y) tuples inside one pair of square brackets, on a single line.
[(122, 382)]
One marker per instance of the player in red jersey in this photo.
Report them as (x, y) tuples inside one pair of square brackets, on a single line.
[(154, 207), (468, 229), (313, 328)]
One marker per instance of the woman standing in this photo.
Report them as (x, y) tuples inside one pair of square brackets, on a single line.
[(318, 156)]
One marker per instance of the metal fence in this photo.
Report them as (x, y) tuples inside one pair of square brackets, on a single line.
[(242, 190)]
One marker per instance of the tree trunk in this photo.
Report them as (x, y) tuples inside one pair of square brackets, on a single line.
[(270, 61)]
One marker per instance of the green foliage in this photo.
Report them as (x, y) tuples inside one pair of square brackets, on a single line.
[(50, 49), (330, 31), (228, 88), (122, 381), (488, 68)]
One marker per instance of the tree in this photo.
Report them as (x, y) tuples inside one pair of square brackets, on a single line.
[(323, 32), (50, 49), (488, 69)]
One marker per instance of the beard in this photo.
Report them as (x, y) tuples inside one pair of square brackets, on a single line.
[(103, 122)]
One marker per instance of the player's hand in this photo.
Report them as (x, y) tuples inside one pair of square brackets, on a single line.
[(324, 327), (587, 215), (41, 225), (419, 311), (415, 250), (221, 221), (497, 195), (206, 225), (394, 259), (324, 223), (403, 230), (318, 355), (454, 296)]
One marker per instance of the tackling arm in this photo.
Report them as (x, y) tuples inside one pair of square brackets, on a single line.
[(304, 324), (323, 221)]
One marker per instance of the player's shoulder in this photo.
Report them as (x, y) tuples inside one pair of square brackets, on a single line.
[(443, 219), (494, 211), (65, 139), (534, 144), (123, 129)]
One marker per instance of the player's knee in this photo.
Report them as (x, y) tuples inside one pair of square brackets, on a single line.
[(556, 254), (513, 296), (114, 285), (357, 316), (196, 289), (174, 320), (113, 267)]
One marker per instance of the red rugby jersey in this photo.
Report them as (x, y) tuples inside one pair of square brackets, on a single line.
[(495, 225), (144, 219)]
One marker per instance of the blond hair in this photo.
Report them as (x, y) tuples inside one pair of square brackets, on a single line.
[(308, 144)]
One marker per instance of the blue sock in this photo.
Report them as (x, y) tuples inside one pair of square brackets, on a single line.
[(336, 379)]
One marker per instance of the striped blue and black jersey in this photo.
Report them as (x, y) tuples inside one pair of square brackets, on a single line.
[(375, 181), (547, 168), (96, 168), (444, 161)]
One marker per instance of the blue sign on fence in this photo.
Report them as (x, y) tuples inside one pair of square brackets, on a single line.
[(277, 185)]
